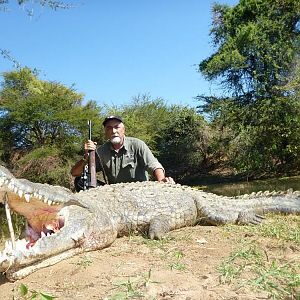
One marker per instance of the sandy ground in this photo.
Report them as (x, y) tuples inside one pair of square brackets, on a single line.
[(183, 267)]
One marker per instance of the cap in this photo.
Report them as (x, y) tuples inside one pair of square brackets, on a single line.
[(112, 118)]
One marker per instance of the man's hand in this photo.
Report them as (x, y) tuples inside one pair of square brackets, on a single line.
[(160, 176), (77, 169), (168, 180), (90, 146)]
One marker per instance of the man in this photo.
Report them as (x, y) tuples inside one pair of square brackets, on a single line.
[(121, 158)]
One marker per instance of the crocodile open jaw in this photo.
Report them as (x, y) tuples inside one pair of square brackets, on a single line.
[(40, 210)]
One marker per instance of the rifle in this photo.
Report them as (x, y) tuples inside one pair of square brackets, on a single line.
[(89, 171), (92, 180)]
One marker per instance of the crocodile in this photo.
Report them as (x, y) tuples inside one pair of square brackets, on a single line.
[(61, 224)]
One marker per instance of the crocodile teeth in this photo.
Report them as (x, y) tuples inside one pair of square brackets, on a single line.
[(20, 193), (27, 197), (43, 234), (49, 202), (8, 244), (11, 185)]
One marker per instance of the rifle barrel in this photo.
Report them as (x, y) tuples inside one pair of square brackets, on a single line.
[(92, 182), (90, 129)]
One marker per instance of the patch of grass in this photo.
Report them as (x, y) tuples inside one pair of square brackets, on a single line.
[(128, 289), (279, 280), (174, 256), (132, 288), (84, 262), (177, 264), (161, 244), (283, 228), (184, 234), (232, 267), (251, 266), (27, 294)]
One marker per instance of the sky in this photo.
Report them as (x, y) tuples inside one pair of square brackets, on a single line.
[(114, 50)]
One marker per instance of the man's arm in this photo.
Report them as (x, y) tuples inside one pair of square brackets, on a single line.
[(77, 169), (159, 174), (152, 164)]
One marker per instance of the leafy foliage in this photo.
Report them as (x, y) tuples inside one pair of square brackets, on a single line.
[(256, 43), (25, 293), (256, 61), (183, 144), (43, 120)]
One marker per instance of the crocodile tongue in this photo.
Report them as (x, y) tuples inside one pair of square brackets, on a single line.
[(42, 218), (41, 226)]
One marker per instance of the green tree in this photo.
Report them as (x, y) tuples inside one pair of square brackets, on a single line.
[(257, 47), (41, 122), (183, 144)]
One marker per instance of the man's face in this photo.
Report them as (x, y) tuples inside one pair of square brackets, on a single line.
[(115, 131)]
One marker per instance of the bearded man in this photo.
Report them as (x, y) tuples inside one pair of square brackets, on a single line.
[(121, 158)]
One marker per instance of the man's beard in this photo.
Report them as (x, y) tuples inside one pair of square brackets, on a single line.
[(115, 140)]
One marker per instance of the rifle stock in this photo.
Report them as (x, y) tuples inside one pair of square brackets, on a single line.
[(92, 180)]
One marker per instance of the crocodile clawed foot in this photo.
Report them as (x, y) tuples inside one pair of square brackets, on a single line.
[(249, 217)]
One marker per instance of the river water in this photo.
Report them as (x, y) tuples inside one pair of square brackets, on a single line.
[(240, 188)]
